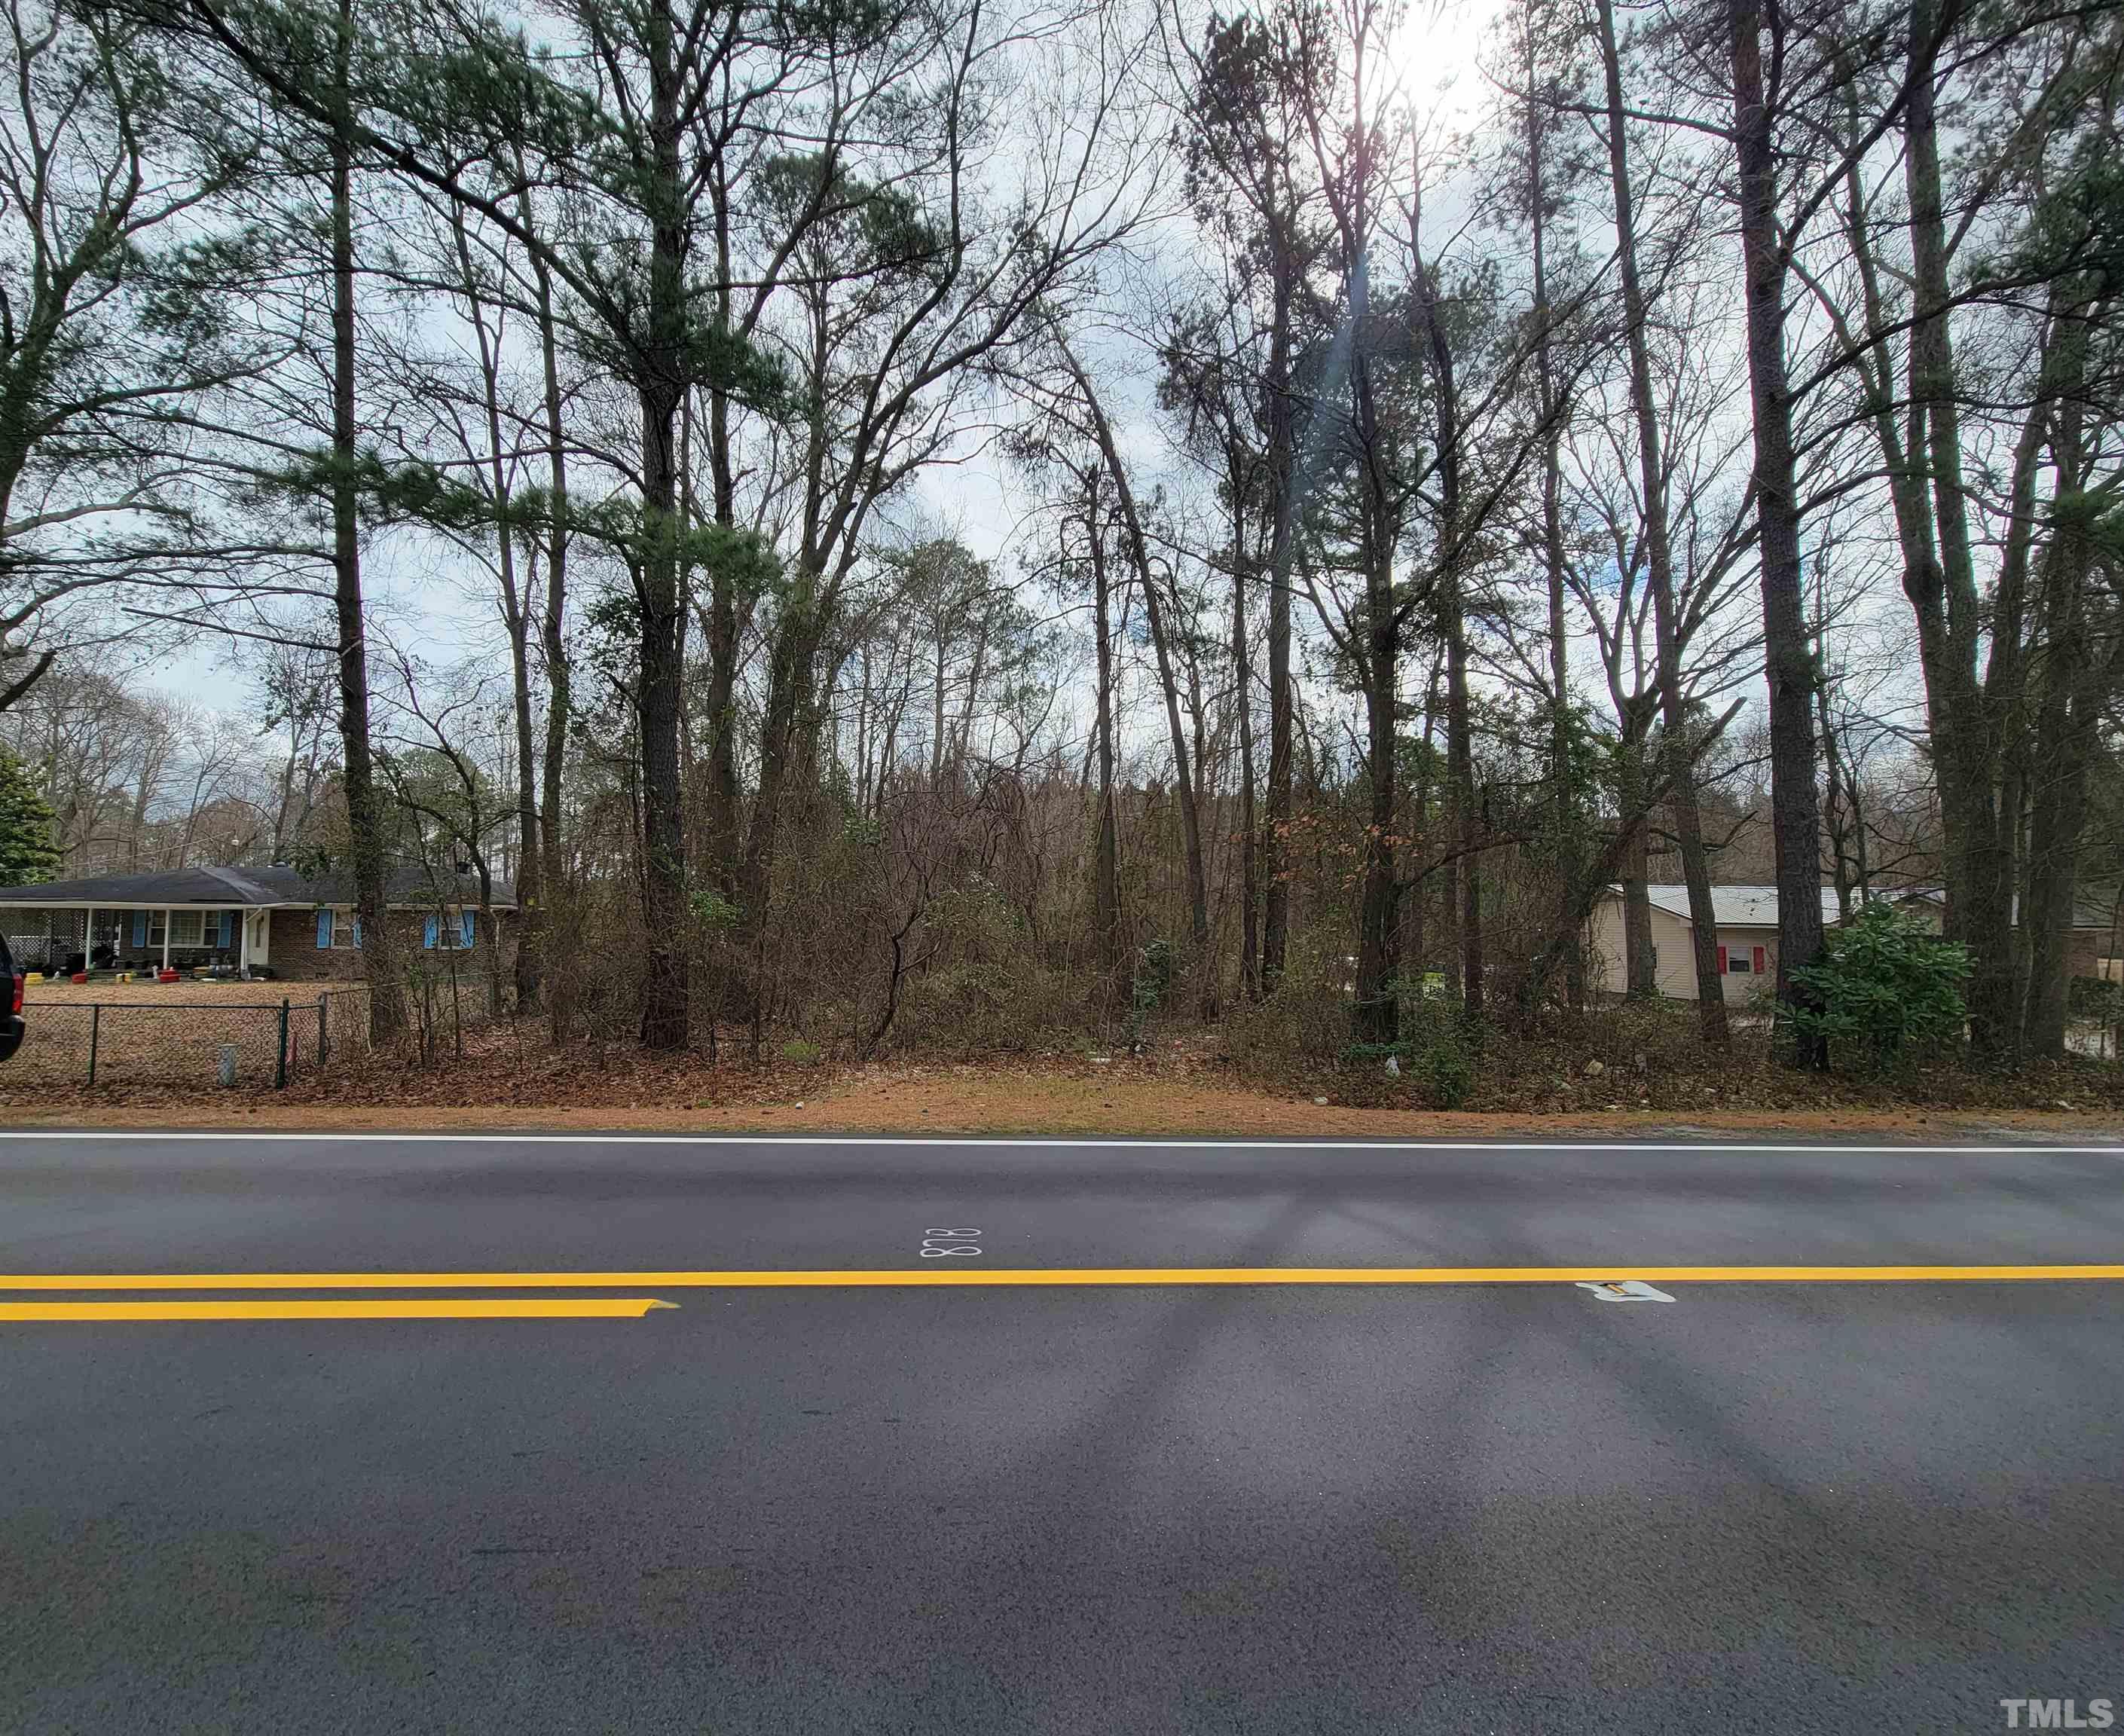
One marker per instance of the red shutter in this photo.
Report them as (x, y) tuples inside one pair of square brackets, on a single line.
[(1722, 961), (1761, 960)]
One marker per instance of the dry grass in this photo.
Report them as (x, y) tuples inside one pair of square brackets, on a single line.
[(186, 991), (510, 1077), (169, 1036)]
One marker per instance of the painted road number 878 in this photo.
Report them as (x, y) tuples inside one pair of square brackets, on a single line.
[(944, 1244)]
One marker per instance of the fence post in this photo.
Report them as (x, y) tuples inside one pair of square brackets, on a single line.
[(95, 1030), (280, 1065)]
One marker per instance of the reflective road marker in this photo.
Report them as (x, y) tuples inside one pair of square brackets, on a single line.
[(1629, 1290)]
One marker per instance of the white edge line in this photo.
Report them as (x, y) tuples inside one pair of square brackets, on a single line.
[(1503, 1143)]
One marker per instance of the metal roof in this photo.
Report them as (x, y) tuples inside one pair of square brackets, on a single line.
[(1734, 906), (252, 887), (2092, 906)]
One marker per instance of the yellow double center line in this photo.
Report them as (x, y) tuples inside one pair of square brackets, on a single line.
[(303, 1308), (156, 1290)]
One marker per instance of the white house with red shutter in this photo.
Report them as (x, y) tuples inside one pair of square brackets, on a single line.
[(1747, 918)]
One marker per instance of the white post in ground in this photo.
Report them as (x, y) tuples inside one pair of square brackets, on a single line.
[(165, 940)]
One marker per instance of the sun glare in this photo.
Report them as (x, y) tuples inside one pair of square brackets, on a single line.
[(1432, 54)]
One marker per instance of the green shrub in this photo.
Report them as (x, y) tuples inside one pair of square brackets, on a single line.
[(1306, 1020), (1447, 1064), (1885, 990), (802, 1053), (1154, 976), (1153, 982), (715, 914), (1435, 1049), (2089, 997)]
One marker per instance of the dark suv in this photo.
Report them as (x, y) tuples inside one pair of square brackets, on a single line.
[(12, 1026)]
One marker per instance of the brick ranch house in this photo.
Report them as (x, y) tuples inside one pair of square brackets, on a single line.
[(250, 922)]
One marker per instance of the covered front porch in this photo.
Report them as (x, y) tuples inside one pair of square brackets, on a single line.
[(66, 939)]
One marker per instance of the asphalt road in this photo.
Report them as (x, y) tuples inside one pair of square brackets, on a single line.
[(1769, 1505)]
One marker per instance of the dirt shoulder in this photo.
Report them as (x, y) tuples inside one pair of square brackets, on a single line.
[(1119, 1099), (1619, 1077)]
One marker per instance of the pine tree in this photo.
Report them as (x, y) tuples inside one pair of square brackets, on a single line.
[(27, 853)]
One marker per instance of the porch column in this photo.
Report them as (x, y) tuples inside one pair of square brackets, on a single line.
[(88, 940), (165, 940), (243, 942)]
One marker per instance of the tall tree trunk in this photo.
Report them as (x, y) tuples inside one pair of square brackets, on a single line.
[(1413, 947), (725, 608), (284, 800), (1453, 627), (1468, 818), (145, 789), (1659, 561), (541, 926), (791, 664), (515, 620), (664, 1012), (1106, 891), (1377, 1012), (1795, 807), (364, 820), (2077, 674), (1837, 809), (1242, 682), (937, 646), (1282, 487), (1640, 964), (1183, 780), (1967, 718), (1562, 796)]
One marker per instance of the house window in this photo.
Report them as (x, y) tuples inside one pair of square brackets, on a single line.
[(451, 934), (157, 933), (1736, 960), (185, 928)]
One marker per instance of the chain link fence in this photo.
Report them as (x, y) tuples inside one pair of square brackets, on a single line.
[(245, 1045)]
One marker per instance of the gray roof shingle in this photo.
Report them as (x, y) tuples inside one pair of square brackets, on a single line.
[(221, 887)]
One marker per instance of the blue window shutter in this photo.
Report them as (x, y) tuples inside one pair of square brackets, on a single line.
[(466, 935), (428, 935), (324, 930), (139, 928), (357, 933), (228, 928)]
